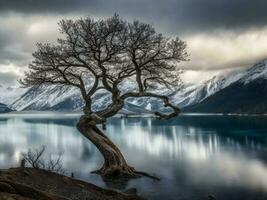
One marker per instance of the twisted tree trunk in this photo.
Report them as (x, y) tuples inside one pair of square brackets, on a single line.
[(115, 165), (114, 162)]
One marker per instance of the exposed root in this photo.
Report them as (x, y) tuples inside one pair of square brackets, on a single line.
[(118, 172), (147, 175)]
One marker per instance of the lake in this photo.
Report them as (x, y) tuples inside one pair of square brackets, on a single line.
[(195, 156)]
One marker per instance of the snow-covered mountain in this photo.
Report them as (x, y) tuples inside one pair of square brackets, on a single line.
[(246, 94), (9, 94), (58, 98), (189, 97), (193, 94), (4, 108), (258, 71), (62, 98)]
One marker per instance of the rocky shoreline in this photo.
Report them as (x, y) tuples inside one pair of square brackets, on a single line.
[(33, 184)]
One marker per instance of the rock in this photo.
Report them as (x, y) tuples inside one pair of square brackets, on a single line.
[(4, 187), (44, 185)]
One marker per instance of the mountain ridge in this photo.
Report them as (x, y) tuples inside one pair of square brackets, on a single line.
[(245, 95), (191, 98)]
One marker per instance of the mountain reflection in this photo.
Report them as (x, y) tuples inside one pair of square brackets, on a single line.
[(198, 155)]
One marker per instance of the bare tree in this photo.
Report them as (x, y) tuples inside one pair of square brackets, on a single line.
[(34, 158), (55, 164), (103, 55)]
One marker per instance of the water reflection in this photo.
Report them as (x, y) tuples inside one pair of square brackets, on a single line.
[(194, 155)]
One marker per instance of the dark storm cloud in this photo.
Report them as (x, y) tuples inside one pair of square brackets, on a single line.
[(41, 6), (175, 15), (9, 50), (220, 34), (226, 13), (12, 35)]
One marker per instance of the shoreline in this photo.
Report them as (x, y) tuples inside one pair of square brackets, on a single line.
[(59, 114), (32, 184)]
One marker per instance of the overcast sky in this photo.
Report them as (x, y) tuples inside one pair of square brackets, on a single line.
[(222, 35)]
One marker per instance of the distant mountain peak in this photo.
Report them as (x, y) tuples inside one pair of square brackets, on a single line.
[(62, 98), (243, 93), (258, 70)]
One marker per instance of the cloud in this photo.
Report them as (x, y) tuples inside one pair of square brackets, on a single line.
[(226, 49), (9, 40), (174, 16), (8, 78), (221, 34), (19, 34), (40, 6)]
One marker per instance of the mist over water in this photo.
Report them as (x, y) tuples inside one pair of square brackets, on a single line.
[(195, 156)]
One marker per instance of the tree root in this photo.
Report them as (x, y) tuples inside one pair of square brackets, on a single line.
[(118, 173), (147, 175)]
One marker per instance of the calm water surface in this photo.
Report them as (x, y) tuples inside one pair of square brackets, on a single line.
[(196, 156)]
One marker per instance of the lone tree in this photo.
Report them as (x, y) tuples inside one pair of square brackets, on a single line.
[(104, 55)]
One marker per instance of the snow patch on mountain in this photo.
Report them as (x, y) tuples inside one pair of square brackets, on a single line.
[(63, 98), (259, 70), (10, 94)]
